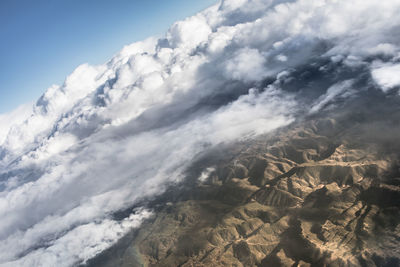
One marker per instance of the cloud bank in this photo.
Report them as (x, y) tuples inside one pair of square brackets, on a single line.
[(116, 133)]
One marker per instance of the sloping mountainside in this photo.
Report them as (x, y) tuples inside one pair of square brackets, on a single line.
[(322, 192)]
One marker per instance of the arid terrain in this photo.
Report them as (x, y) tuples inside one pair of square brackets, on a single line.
[(323, 192)]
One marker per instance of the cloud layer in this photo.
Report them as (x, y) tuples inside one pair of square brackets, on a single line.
[(119, 132)]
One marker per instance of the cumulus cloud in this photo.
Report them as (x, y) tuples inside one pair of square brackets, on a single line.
[(189, 34), (116, 133), (245, 65), (206, 174), (15, 117), (387, 76)]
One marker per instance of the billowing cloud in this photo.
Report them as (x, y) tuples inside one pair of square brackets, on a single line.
[(387, 76), (116, 133), (246, 65), (15, 117)]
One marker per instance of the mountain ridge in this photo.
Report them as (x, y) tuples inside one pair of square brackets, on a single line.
[(335, 202)]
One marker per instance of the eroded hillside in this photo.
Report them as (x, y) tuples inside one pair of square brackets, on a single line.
[(318, 193)]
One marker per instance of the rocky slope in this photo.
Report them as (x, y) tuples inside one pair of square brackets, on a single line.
[(317, 193)]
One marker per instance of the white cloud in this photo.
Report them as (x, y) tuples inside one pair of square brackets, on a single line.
[(206, 174), (189, 33), (16, 116), (124, 130), (81, 243), (386, 76), (342, 89), (245, 65)]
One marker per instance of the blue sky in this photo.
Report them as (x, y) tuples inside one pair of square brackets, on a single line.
[(42, 41)]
